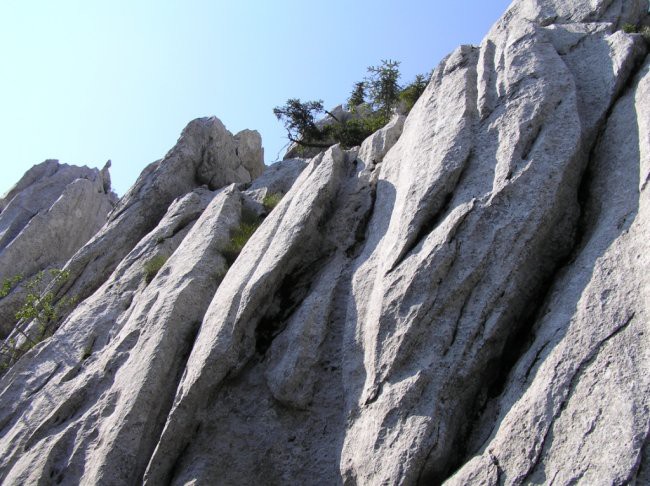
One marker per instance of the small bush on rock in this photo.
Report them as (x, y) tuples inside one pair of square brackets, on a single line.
[(379, 94), (358, 95), (412, 92), (629, 28), (270, 201), (238, 240), (644, 30), (152, 267), (299, 119), (8, 284), (40, 308), (240, 235), (354, 131)]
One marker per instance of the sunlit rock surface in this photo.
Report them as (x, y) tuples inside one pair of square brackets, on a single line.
[(463, 299)]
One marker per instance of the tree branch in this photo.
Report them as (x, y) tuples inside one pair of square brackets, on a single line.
[(309, 144), (328, 113)]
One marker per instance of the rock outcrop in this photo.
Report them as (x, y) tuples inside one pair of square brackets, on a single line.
[(45, 218), (463, 299), (205, 155)]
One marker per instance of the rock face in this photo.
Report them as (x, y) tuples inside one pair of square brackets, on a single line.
[(463, 299), (205, 155), (45, 218)]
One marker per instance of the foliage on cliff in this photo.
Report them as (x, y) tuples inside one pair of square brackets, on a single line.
[(371, 104)]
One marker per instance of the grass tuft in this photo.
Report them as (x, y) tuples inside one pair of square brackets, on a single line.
[(270, 201), (238, 239), (152, 267)]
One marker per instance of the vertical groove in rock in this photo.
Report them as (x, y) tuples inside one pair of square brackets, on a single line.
[(585, 302), (521, 341)]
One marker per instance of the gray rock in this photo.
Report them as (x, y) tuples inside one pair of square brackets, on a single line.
[(250, 152), (473, 215), (227, 339), (206, 153), (289, 280), (278, 178), (271, 186), (224, 158), (37, 191), (463, 298), (577, 406), (50, 213), (118, 356)]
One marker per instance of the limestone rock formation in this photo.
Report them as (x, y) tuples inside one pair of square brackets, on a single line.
[(463, 299), (206, 154), (45, 218)]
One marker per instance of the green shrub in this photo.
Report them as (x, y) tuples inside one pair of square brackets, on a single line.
[(629, 28), (412, 92), (152, 267), (299, 119), (354, 131), (358, 95), (87, 351), (383, 86), (41, 308), (238, 239), (637, 29), (8, 284), (240, 235), (270, 201), (380, 93)]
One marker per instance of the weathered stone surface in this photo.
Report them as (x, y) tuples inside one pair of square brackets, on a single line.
[(250, 152), (40, 188), (476, 206), (277, 178), (206, 153), (275, 182), (50, 213), (226, 159), (286, 241), (111, 371), (463, 298), (289, 280), (577, 405)]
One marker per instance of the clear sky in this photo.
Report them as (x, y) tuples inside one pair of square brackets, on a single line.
[(87, 81)]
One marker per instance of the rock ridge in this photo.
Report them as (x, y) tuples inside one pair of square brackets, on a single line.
[(463, 299), (47, 216)]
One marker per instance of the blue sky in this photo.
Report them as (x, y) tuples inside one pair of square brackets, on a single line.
[(87, 81)]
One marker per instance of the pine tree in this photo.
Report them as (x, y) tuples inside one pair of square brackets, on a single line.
[(383, 86), (413, 91), (358, 96), (300, 121)]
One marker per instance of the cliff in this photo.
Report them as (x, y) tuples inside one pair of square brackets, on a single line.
[(463, 299)]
